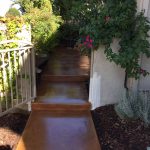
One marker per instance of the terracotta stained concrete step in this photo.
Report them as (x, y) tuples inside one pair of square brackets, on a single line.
[(60, 117), (66, 65), (65, 78), (65, 104), (59, 131), (61, 90)]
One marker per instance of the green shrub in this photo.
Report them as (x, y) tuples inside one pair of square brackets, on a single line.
[(106, 20), (134, 106), (44, 27), (44, 24), (69, 34), (13, 26), (12, 12)]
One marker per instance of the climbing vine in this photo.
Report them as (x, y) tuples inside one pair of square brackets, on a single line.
[(106, 20)]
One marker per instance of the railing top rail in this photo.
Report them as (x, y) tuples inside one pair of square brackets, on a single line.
[(16, 49), (18, 41), (23, 45)]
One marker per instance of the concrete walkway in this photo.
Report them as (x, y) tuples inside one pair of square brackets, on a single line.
[(60, 117)]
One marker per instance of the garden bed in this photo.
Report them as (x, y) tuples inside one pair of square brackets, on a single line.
[(117, 134), (11, 128)]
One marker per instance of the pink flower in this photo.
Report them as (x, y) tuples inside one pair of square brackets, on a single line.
[(89, 45), (87, 38), (141, 70), (107, 18), (80, 45), (91, 40), (85, 43)]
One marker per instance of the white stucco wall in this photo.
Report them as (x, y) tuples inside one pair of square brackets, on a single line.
[(112, 76), (144, 82)]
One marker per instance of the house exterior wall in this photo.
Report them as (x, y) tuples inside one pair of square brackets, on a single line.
[(112, 76), (144, 82)]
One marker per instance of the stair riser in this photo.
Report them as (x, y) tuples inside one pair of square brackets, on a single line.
[(65, 78), (61, 107)]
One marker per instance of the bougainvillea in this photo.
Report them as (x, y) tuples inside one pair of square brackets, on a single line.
[(86, 45), (106, 20)]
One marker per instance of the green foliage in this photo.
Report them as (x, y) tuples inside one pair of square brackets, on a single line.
[(134, 106), (69, 31), (12, 12), (44, 29), (106, 20), (103, 20), (133, 43), (13, 26), (44, 24), (28, 5), (63, 8), (69, 34), (8, 76)]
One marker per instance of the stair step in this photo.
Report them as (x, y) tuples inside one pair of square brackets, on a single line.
[(59, 131), (63, 107), (65, 78), (61, 90)]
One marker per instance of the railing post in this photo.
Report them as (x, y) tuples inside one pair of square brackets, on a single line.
[(29, 106), (33, 72)]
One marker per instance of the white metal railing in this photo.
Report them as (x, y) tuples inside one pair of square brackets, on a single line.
[(17, 76)]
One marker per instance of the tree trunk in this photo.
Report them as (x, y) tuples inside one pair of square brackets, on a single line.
[(126, 80)]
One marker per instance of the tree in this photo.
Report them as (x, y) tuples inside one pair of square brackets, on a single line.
[(63, 7), (44, 24), (12, 12), (28, 5)]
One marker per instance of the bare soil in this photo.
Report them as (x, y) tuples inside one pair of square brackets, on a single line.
[(117, 134)]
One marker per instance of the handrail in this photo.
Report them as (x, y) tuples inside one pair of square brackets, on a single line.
[(18, 41), (17, 75), (15, 49), (21, 43)]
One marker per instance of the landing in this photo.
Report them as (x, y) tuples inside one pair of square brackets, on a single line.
[(67, 61), (59, 131)]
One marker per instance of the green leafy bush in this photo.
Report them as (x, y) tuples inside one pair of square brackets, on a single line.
[(106, 20), (69, 34), (69, 31), (134, 106), (44, 29), (12, 12), (44, 24), (13, 26)]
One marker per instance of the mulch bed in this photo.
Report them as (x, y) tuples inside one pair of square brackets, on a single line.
[(117, 134), (11, 128)]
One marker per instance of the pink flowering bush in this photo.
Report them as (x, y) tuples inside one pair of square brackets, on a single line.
[(85, 45), (104, 21)]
